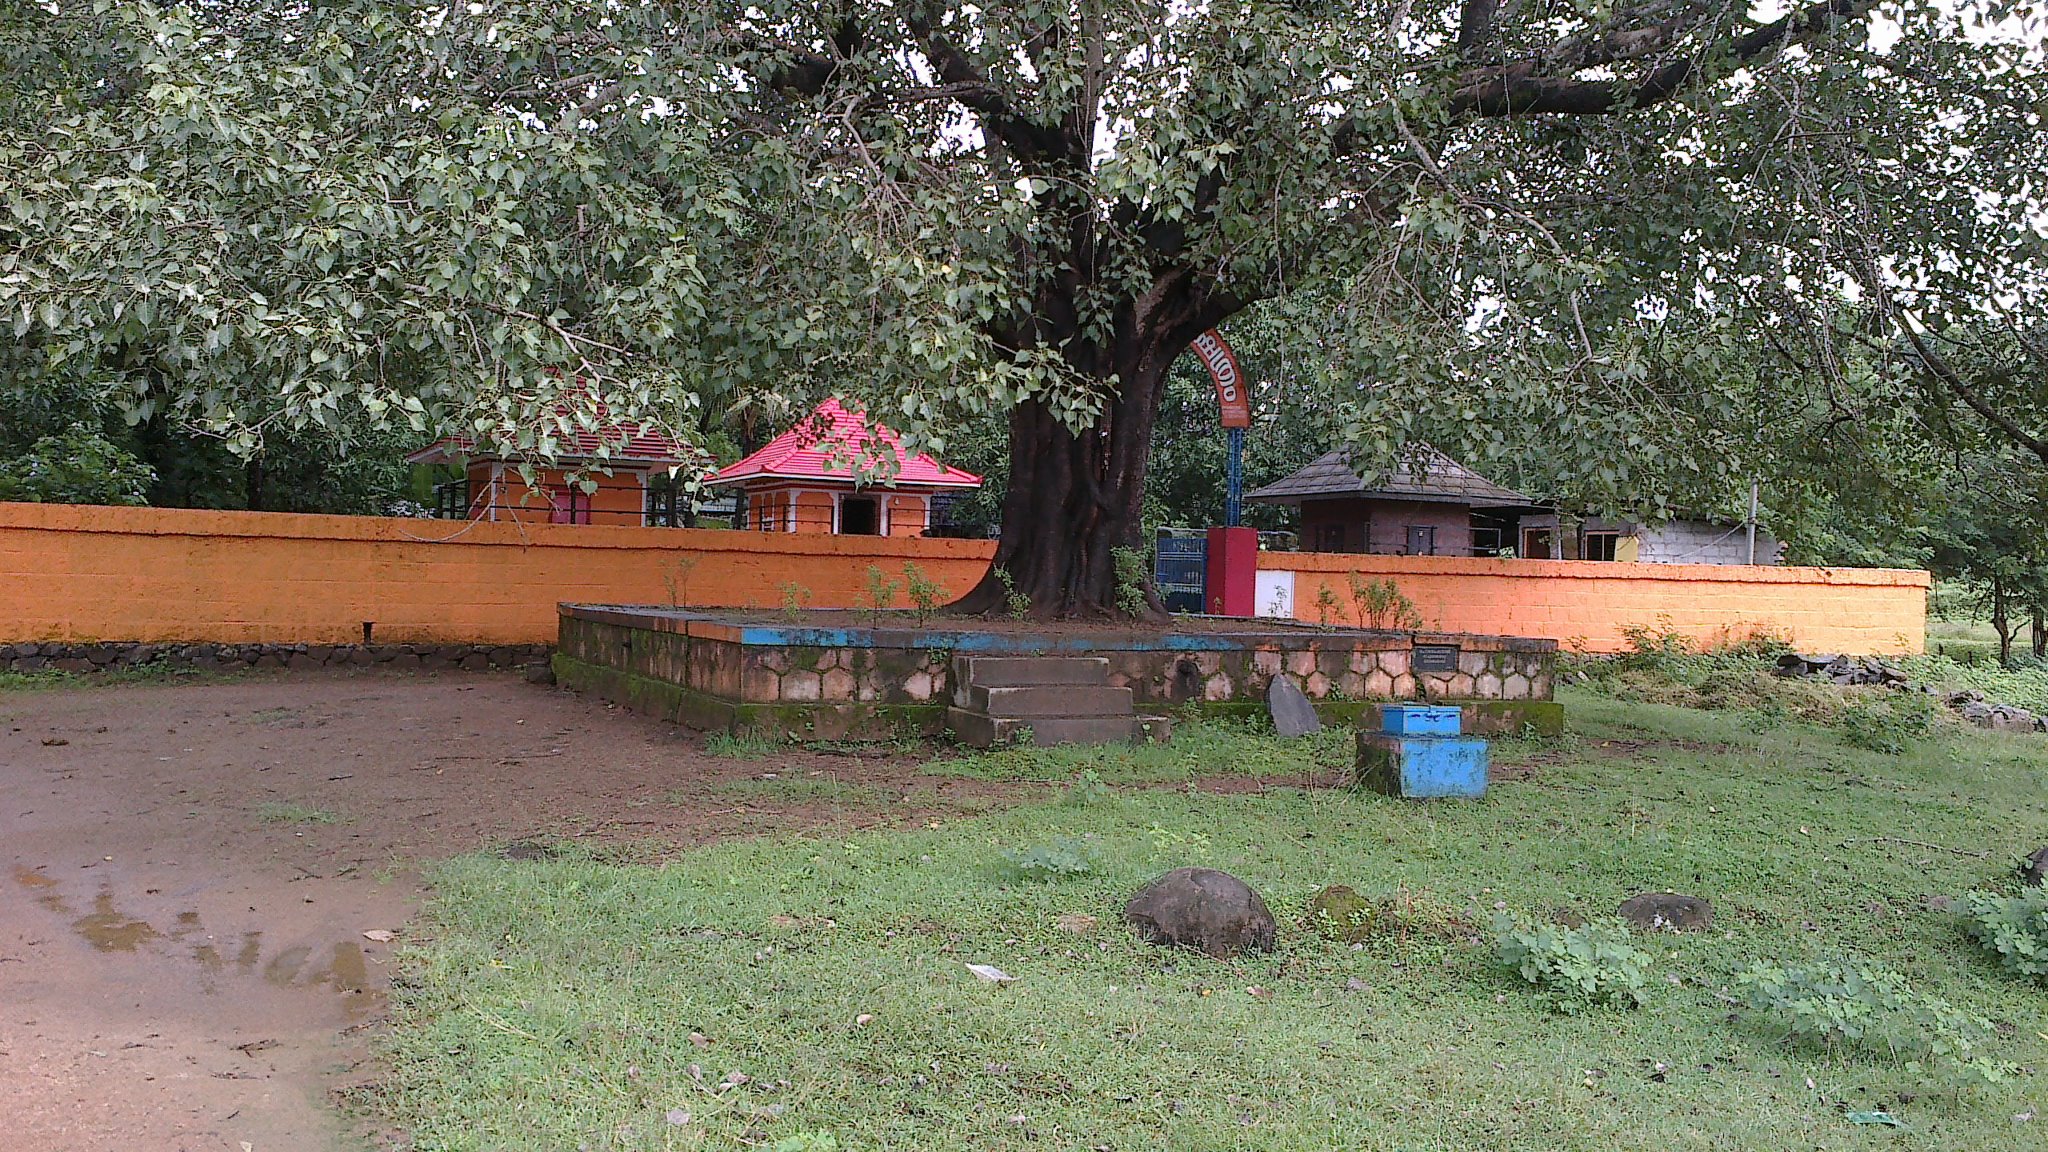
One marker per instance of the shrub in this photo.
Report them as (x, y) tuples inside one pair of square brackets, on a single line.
[(926, 594), (77, 466), (1577, 967), (1130, 581), (1866, 1009), (2015, 928), (1885, 724), (881, 594), (1382, 606), (1087, 790), (1065, 857)]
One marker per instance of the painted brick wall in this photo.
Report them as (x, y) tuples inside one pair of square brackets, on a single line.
[(155, 574), (89, 573), (1585, 605)]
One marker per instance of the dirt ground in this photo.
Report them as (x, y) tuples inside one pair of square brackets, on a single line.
[(192, 870)]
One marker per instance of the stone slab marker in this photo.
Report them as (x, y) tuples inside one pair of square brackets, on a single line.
[(1293, 715)]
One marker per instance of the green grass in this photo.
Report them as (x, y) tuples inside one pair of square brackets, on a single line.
[(1199, 748), (552, 1005), (798, 790), (292, 812), (133, 674)]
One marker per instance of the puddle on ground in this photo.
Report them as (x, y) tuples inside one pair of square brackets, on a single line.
[(108, 929)]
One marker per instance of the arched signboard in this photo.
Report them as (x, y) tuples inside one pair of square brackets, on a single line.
[(1231, 394)]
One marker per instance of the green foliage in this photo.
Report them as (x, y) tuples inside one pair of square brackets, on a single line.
[(1088, 788), (1577, 967), (880, 594), (1380, 605), (1133, 576), (795, 598), (927, 595), (1663, 666), (292, 812), (2014, 928), (76, 466), (1203, 747), (1866, 1008), (1890, 723), (1016, 604), (807, 1142), (1061, 859), (1326, 605)]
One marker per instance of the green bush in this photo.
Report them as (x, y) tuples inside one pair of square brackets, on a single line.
[(78, 466), (2015, 928), (1578, 967), (1888, 724), (1869, 1010)]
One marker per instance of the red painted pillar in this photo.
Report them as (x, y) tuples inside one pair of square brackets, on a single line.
[(1233, 576)]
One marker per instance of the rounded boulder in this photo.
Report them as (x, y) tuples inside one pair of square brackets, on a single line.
[(1201, 908)]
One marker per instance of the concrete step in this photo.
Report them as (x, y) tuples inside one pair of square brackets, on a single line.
[(981, 730), (1050, 701), (1032, 671)]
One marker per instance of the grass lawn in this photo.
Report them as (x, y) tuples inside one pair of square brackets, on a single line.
[(802, 994)]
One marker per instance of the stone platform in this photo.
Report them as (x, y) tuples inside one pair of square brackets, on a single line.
[(723, 671)]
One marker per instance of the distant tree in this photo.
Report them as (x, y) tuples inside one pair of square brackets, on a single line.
[(76, 466)]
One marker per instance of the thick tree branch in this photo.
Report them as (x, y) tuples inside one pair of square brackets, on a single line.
[(1543, 83), (1025, 139)]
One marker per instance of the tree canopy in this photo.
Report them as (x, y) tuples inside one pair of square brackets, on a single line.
[(252, 219)]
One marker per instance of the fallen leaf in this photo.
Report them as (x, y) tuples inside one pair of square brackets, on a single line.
[(1883, 1118), (863, 1020), (784, 922), (1259, 992), (700, 1040), (678, 1117), (380, 935), (991, 973), (54, 742), (1075, 922)]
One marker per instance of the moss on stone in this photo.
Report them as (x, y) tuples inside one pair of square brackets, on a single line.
[(1340, 913)]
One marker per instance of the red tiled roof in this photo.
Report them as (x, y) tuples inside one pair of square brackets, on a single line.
[(627, 444), (807, 451)]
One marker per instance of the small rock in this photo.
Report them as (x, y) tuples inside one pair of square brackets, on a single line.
[(380, 935), (542, 673), (1667, 912), (1201, 908), (1340, 913), (1292, 713)]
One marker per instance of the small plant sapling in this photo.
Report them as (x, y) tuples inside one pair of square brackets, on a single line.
[(1016, 604), (1869, 1009), (795, 598), (927, 595), (1326, 605), (676, 578), (881, 594), (2012, 928), (1063, 858), (1382, 606)]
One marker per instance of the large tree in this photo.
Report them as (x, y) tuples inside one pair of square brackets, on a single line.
[(1024, 208)]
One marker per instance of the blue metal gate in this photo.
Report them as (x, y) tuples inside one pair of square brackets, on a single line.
[(1181, 568)]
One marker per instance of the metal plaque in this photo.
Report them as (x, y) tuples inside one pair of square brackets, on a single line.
[(1435, 658)]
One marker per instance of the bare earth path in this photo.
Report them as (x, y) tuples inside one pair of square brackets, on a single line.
[(190, 869)]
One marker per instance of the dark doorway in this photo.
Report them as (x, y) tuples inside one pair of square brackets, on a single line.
[(858, 516)]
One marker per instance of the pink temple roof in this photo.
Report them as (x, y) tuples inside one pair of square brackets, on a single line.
[(807, 452)]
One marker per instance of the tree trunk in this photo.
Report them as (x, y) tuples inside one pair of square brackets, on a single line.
[(2001, 621), (2040, 633), (1074, 498)]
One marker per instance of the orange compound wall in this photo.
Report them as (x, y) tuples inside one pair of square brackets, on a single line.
[(1587, 605), (77, 573)]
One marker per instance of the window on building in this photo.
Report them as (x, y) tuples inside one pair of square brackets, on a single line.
[(1536, 544), (1329, 537), (1421, 540), (451, 500), (858, 516), (668, 502), (1599, 545)]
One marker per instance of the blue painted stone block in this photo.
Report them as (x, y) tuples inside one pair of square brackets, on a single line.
[(1421, 720), (1422, 767)]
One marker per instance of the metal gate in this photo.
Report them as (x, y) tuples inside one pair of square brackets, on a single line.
[(1180, 569)]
